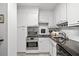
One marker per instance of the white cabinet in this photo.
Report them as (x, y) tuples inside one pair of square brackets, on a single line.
[(32, 17), (72, 13), (52, 48), (46, 16), (21, 39), (44, 45), (60, 13), (43, 16), (27, 16)]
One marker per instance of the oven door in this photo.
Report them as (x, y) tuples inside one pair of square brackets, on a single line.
[(32, 45)]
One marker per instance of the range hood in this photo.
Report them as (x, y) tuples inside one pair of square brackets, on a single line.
[(62, 23), (74, 25)]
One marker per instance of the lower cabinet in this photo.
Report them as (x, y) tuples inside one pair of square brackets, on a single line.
[(44, 45), (53, 50), (47, 45)]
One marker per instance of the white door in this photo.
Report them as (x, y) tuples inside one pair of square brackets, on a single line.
[(43, 45)]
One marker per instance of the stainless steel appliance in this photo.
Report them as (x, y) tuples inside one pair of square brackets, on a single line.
[(43, 29), (32, 45), (32, 38), (32, 31)]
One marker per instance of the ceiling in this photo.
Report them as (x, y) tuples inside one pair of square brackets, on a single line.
[(45, 6)]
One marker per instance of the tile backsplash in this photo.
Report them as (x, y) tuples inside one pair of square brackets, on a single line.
[(72, 34)]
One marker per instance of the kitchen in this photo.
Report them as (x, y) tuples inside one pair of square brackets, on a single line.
[(47, 29)]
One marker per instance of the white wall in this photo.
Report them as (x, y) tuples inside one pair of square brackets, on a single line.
[(46, 16), (72, 33), (12, 29), (60, 12), (26, 17), (3, 30)]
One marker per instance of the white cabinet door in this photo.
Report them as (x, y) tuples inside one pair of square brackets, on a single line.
[(31, 17), (21, 40), (44, 16), (72, 13), (52, 48), (43, 44), (60, 13), (27, 16)]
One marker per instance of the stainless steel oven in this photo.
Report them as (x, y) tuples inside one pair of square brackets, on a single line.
[(32, 45), (32, 38)]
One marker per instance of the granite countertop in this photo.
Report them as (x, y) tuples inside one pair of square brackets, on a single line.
[(71, 46)]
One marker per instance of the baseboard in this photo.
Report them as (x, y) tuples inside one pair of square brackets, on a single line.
[(35, 52)]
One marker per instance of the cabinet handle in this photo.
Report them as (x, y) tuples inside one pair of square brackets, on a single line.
[(1, 40)]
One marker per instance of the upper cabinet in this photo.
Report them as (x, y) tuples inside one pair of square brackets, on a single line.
[(67, 13), (73, 14), (32, 17), (60, 13), (46, 16), (27, 16)]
